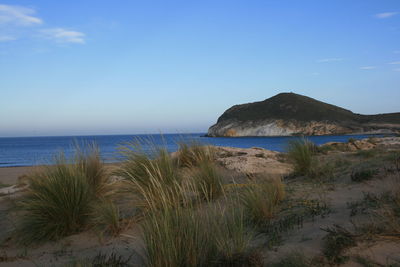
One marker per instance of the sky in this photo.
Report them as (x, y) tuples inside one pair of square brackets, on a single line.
[(125, 67)]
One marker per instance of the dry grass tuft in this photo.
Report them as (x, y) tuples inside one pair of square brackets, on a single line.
[(192, 154), (261, 201), (60, 198), (208, 181), (301, 152)]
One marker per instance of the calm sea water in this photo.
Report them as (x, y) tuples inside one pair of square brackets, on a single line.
[(27, 151)]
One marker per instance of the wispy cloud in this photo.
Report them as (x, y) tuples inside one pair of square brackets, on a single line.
[(385, 15), (396, 52), (13, 18), (394, 63), (61, 35), (18, 15), (332, 59), (368, 67), (398, 69)]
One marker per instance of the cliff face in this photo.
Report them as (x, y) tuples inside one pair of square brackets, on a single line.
[(291, 114)]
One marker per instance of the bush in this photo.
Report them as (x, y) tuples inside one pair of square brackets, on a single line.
[(363, 175), (301, 152), (336, 242), (261, 201), (351, 140), (61, 197)]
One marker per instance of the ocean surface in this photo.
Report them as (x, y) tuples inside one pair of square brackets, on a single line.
[(27, 151)]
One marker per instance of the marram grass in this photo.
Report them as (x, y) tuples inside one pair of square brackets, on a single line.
[(181, 225), (60, 198), (301, 153), (208, 181), (191, 237), (153, 179), (261, 201), (192, 154)]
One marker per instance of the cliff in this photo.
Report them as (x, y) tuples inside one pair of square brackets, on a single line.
[(291, 114)]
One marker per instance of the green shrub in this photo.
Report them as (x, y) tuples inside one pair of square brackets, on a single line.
[(321, 170), (370, 153), (336, 242), (60, 197), (363, 175), (3, 185), (351, 140), (301, 152)]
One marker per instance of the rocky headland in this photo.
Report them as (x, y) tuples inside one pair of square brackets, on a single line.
[(288, 114)]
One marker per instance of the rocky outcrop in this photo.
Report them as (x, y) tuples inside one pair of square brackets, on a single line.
[(363, 144), (289, 114), (232, 128), (253, 161)]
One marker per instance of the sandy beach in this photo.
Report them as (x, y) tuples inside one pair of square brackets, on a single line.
[(10, 175), (337, 192)]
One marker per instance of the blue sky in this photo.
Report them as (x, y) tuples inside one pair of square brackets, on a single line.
[(116, 67)]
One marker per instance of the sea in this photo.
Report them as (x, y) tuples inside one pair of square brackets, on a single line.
[(28, 151)]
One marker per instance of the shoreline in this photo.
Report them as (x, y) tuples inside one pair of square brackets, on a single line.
[(10, 175)]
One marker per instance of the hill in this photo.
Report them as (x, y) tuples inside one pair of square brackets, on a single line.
[(294, 114)]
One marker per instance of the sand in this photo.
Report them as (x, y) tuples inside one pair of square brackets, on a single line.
[(10, 175)]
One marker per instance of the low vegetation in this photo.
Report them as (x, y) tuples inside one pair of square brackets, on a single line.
[(208, 181), (261, 201), (153, 178), (301, 152), (188, 212), (336, 242), (181, 224), (191, 154), (192, 237), (101, 260), (61, 197), (363, 175)]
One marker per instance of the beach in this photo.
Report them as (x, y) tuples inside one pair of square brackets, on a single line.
[(336, 189), (10, 175)]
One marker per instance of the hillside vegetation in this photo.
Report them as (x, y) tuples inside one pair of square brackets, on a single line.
[(291, 106)]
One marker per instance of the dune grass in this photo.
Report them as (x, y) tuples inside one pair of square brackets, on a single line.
[(191, 237), (156, 178), (153, 178), (301, 152), (208, 181), (61, 197), (261, 201), (191, 154), (181, 224), (105, 217)]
